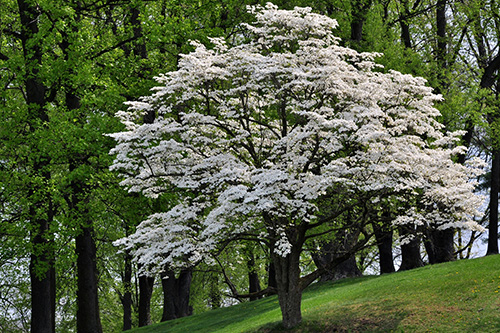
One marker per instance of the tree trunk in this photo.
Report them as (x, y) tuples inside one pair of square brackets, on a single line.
[(405, 33), (88, 314), (443, 240), (146, 285), (410, 252), (271, 278), (42, 285), (494, 188), (176, 293), (357, 30), (331, 251), (440, 245), (384, 245), (214, 293), (253, 276), (139, 47), (88, 319), (403, 23), (289, 288), (359, 11), (126, 299), (41, 268), (441, 33)]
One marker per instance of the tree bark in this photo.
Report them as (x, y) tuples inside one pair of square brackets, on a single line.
[(384, 245), (42, 284), (253, 276), (359, 11), (405, 33), (126, 299), (176, 291), (289, 288), (88, 314), (146, 285), (271, 279), (440, 245), (88, 319), (410, 252), (493, 205), (139, 47), (441, 33), (331, 251), (405, 27), (41, 268)]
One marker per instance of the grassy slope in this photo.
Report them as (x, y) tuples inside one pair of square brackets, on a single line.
[(462, 296)]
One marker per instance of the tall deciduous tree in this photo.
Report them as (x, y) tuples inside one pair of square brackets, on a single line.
[(481, 23), (40, 207), (276, 139)]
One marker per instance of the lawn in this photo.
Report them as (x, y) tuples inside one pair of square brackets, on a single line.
[(461, 296)]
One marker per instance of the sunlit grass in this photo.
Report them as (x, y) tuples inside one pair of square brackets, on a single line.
[(462, 296)]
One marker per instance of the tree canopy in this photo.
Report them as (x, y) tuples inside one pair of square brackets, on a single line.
[(274, 136)]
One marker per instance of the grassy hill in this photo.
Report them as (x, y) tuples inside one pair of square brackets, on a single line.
[(462, 296)]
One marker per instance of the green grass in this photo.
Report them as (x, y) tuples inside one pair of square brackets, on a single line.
[(462, 296)]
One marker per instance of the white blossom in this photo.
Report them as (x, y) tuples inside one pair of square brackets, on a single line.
[(274, 126)]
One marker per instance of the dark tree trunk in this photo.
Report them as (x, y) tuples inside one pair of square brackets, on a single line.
[(357, 30), (126, 299), (445, 245), (214, 295), (410, 252), (289, 288), (42, 284), (384, 245), (176, 291), (139, 47), (490, 76), (87, 314), (41, 268), (441, 33), (429, 247), (405, 33), (443, 240), (146, 285), (271, 279), (494, 188), (253, 276), (440, 245), (331, 251), (359, 11), (345, 269), (403, 24)]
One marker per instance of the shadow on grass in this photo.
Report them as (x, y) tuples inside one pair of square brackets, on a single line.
[(224, 318), (217, 320), (371, 317), (328, 285)]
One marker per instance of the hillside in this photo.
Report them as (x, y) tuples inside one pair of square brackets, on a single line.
[(462, 296)]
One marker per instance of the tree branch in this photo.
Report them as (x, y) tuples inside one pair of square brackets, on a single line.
[(264, 292), (488, 79), (114, 47)]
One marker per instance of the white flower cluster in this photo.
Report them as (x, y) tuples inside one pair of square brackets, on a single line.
[(268, 127)]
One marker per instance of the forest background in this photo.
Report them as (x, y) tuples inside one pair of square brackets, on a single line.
[(67, 67)]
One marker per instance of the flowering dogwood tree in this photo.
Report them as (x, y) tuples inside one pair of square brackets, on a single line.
[(274, 138)]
